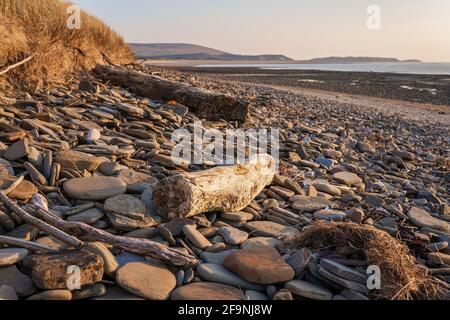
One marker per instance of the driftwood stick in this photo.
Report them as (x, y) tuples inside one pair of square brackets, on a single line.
[(143, 247), (16, 64), (41, 225), (25, 244), (205, 104), (13, 186)]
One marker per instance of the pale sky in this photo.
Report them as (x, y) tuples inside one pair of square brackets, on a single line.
[(300, 29)]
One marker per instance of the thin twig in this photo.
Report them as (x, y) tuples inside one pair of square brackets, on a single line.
[(17, 64), (25, 244)]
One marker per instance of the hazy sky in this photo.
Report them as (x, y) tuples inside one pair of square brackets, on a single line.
[(297, 28)]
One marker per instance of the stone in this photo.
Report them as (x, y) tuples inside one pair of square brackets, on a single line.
[(109, 168), (93, 291), (194, 236), (343, 282), (439, 258), (94, 188), (217, 273), (310, 204), (308, 290), (348, 178), (215, 257), (261, 265), (24, 191), (17, 150), (89, 216), (237, 216), (374, 201), (21, 283), (327, 188), (7, 293), (76, 160), (251, 295), (50, 271), (110, 263), (355, 215), (232, 235), (146, 280), (6, 168), (299, 261), (128, 257), (270, 229), (12, 256), (53, 295), (260, 242), (343, 271), (329, 215), (136, 182), (24, 232), (117, 293), (207, 291), (6, 222), (422, 219), (126, 213), (283, 295)]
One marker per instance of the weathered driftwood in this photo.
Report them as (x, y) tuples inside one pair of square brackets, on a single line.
[(143, 247), (204, 104), (223, 189)]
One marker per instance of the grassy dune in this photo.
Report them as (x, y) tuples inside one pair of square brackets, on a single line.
[(39, 27)]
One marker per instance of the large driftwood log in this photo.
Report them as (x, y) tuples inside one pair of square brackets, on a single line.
[(223, 189), (205, 104)]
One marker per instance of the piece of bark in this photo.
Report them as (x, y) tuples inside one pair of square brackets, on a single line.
[(16, 242), (223, 189), (205, 104)]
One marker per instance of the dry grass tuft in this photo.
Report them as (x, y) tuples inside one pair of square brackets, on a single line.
[(39, 27), (402, 277)]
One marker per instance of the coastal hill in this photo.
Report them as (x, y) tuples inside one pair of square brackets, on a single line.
[(334, 60), (185, 51)]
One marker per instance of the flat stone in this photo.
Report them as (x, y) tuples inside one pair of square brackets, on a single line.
[(423, 219), (261, 265), (93, 291), (308, 290), (329, 215), (52, 295), (348, 178), (50, 271), (109, 168), (217, 273), (257, 242), (10, 256), (215, 257), (197, 239), (251, 295), (343, 271), (76, 160), (128, 257), (146, 280), (310, 204), (136, 182), (17, 150), (299, 261), (232, 235), (343, 282), (114, 293), (6, 168), (327, 188), (22, 284), (94, 188), (207, 291), (283, 295), (110, 264), (237, 216), (90, 216), (24, 191), (374, 201), (270, 229), (8, 293)]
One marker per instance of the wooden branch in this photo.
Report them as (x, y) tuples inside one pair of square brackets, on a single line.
[(25, 244), (205, 104), (223, 189), (16, 64), (143, 247), (50, 230)]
